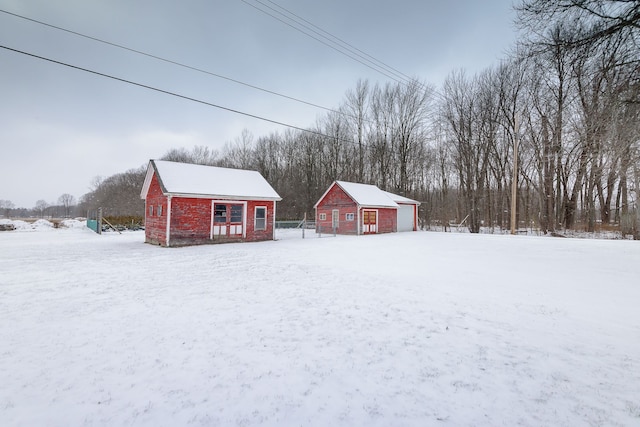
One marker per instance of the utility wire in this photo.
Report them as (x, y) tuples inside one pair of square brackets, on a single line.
[(407, 79), (343, 113), (337, 49), (175, 94), (383, 68), (348, 45), (174, 63)]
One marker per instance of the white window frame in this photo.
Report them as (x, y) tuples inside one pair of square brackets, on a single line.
[(159, 210), (322, 217), (255, 218), (349, 216), (150, 210)]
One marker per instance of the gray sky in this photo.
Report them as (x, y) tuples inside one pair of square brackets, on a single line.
[(60, 127)]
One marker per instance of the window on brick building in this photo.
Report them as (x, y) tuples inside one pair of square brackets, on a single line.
[(159, 210), (323, 217), (150, 210), (348, 217), (220, 213), (261, 218), (236, 214)]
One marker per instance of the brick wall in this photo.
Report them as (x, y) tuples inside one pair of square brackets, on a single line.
[(254, 235), (190, 221)]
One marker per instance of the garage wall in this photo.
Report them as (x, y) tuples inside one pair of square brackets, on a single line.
[(406, 218)]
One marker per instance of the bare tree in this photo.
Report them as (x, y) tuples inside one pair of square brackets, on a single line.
[(118, 195), (199, 154), (356, 108), (239, 154), (335, 153), (67, 201), (381, 135), (461, 108), (598, 20), (412, 103), (41, 207), (6, 206)]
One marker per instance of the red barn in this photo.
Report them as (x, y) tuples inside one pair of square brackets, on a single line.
[(187, 204), (352, 208)]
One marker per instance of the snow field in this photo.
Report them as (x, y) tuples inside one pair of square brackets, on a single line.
[(409, 329)]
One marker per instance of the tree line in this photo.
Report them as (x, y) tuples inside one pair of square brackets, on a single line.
[(558, 119), (65, 207)]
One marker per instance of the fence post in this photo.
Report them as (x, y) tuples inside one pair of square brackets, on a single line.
[(304, 224), (99, 220)]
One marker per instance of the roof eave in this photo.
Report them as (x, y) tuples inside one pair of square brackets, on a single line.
[(377, 207), (151, 170), (219, 196)]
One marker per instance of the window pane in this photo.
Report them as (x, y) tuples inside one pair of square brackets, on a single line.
[(261, 219), (220, 213), (236, 213)]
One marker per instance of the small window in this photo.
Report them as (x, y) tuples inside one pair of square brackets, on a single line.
[(236, 214), (159, 210), (220, 213), (261, 218), (150, 210), (323, 217), (348, 217)]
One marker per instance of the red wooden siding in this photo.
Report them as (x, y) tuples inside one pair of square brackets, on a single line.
[(336, 198), (387, 220), (191, 219), (254, 235), (155, 226)]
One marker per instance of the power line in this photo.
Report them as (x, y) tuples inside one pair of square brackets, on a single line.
[(341, 41), (337, 49), (352, 51), (166, 92), (173, 62)]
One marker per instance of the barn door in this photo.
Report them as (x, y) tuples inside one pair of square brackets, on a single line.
[(227, 220), (369, 221)]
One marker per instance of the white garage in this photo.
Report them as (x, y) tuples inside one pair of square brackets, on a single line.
[(407, 212), (406, 217)]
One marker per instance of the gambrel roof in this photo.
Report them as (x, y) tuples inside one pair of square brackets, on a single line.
[(368, 195), (191, 180)]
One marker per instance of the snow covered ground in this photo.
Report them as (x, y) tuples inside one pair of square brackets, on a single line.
[(408, 329)]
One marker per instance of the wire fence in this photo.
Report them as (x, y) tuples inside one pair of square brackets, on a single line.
[(302, 229)]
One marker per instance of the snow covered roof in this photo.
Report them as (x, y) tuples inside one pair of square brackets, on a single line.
[(401, 199), (199, 180), (370, 195)]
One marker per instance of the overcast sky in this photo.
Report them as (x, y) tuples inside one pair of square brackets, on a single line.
[(61, 127)]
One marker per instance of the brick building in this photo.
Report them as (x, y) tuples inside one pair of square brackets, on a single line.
[(188, 204), (352, 208)]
